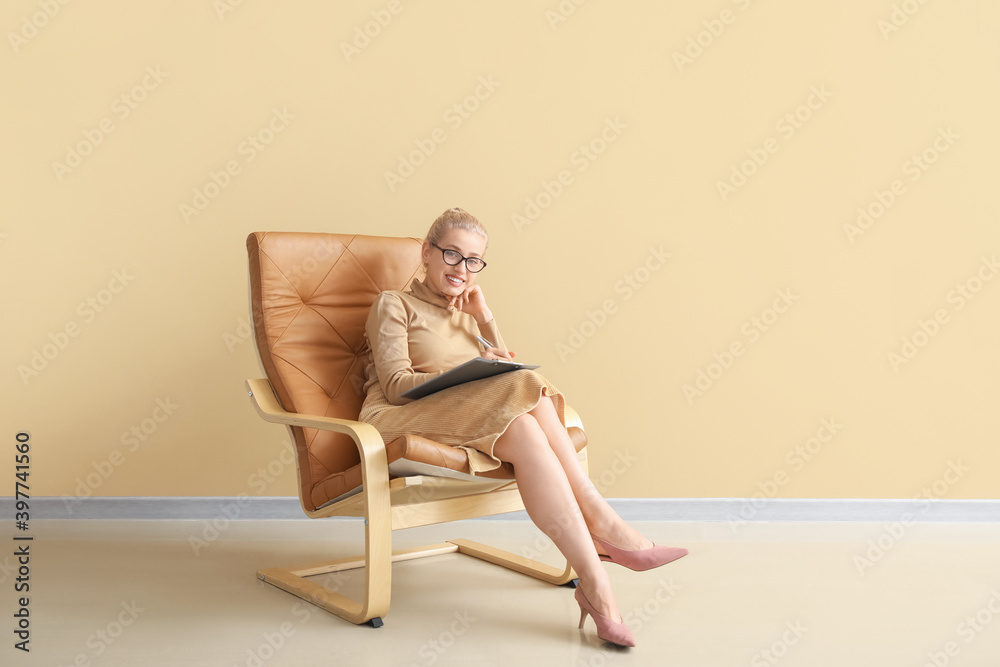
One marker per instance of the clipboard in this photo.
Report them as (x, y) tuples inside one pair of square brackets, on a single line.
[(474, 369)]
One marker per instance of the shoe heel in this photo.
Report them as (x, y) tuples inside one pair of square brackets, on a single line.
[(608, 630)]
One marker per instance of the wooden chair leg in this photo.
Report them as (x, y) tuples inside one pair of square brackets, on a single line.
[(532, 568), (375, 605), (377, 564)]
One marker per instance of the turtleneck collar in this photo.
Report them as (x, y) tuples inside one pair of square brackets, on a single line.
[(424, 293)]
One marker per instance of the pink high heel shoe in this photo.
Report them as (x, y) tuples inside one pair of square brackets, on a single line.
[(640, 559), (608, 630)]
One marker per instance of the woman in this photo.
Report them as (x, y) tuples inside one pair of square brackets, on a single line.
[(516, 417)]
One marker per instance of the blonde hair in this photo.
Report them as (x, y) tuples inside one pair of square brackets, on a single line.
[(455, 218)]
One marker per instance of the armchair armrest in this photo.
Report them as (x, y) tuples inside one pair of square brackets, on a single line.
[(270, 410), (365, 436)]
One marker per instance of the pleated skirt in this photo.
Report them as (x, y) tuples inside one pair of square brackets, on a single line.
[(470, 416)]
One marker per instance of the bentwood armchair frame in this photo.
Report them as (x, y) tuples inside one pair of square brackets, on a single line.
[(298, 285)]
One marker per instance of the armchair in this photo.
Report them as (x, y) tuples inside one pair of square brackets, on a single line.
[(310, 294)]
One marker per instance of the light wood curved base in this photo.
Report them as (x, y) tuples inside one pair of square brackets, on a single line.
[(387, 505), (295, 580)]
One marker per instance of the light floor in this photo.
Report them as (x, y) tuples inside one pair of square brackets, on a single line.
[(137, 593)]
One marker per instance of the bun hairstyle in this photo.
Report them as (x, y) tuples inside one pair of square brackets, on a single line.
[(455, 218)]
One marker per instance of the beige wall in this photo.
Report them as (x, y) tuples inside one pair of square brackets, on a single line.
[(627, 124)]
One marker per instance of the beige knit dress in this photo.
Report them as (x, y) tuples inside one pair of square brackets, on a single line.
[(414, 336)]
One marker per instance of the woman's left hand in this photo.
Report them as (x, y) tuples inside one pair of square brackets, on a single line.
[(473, 302)]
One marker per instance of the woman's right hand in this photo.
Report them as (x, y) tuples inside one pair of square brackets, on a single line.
[(497, 353)]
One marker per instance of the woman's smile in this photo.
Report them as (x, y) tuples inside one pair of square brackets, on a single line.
[(452, 280)]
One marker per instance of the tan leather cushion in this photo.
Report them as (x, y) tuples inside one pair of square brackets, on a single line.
[(310, 294), (415, 448)]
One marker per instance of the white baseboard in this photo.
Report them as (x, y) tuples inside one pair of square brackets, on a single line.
[(731, 510)]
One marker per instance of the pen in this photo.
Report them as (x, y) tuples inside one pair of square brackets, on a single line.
[(485, 342)]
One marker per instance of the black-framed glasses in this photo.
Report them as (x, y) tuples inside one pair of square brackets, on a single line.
[(454, 258)]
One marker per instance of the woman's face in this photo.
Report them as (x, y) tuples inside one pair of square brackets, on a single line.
[(448, 280)]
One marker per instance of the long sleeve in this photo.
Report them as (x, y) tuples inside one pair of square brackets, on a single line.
[(388, 337), (490, 332)]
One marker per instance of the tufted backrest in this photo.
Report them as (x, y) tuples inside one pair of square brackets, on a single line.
[(310, 294)]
